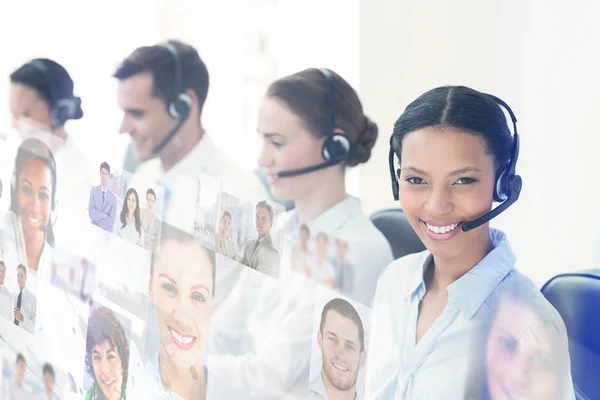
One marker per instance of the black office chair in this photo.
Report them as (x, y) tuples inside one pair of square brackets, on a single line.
[(395, 227), (576, 296), (262, 175)]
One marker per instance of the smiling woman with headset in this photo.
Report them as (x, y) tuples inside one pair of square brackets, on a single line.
[(314, 127), (433, 310), (30, 219)]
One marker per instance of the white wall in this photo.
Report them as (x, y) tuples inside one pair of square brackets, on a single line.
[(537, 55)]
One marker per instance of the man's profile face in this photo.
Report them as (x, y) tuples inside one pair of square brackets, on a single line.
[(49, 382), (20, 371), (145, 116), (263, 222), (342, 357)]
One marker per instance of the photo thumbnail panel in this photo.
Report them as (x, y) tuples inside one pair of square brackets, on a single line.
[(339, 347), (207, 221), (186, 283), (263, 239), (66, 168), (127, 206), (328, 260), (110, 358), (73, 274), (19, 295), (34, 369), (29, 224)]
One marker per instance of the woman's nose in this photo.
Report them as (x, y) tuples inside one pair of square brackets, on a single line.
[(265, 159), (439, 203)]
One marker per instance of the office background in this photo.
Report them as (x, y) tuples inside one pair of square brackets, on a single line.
[(536, 55)]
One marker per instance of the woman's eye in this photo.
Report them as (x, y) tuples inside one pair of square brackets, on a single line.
[(169, 288), (466, 181), (43, 196), (198, 297), (414, 181), (26, 190), (508, 345)]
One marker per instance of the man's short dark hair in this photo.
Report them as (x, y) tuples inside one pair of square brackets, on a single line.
[(346, 310), (2, 263), (20, 358), (105, 166), (160, 63), (266, 206), (47, 369), (21, 266)]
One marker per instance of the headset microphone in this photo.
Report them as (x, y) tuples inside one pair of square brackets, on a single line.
[(158, 148), (178, 108), (336, 146), (513, 197)]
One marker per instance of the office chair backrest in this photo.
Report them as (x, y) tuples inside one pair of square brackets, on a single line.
[(395, 227), (576, 296), (288, 204)]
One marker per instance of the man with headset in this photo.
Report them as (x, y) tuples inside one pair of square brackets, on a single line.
[(162, 90)]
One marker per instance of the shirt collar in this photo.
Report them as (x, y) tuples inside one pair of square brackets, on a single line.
[(416, 281), (331, 220), (318, 386), (471, 290), (198, 160), (260, 240)]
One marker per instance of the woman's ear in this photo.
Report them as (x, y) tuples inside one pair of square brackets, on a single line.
[(150, 292)]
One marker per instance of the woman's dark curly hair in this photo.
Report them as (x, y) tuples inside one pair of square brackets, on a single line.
[(103, 326)]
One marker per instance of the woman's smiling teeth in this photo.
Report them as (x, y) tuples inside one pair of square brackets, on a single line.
[(441, 229), (180, 338), (34, 220)]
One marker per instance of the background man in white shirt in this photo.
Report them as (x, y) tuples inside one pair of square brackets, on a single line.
[(5, 294), (162, 90), (49, 380), (16, 391), (341, 339), (25, 302)]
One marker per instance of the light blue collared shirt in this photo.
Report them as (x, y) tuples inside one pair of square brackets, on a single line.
[(449, 361)]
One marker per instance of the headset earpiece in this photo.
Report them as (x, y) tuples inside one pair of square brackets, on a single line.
[(500, 189), (63, 111), (179, 108), (336, 148)]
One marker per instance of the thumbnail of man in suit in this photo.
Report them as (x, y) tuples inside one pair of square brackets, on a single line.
[(6, 298), (25, 303), (261, 254), (103, 203)]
